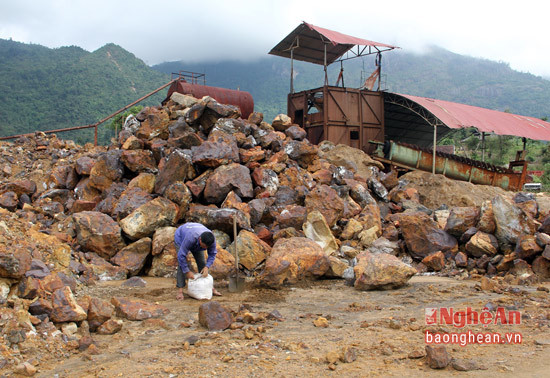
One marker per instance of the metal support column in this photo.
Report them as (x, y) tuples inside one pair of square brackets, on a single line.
[(434, 149)]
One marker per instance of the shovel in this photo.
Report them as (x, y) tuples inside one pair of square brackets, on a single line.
[(236, 283)]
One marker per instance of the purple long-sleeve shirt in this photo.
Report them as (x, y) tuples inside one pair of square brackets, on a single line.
[(187, 238)]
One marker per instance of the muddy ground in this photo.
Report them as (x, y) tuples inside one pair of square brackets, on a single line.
[(382, 328)]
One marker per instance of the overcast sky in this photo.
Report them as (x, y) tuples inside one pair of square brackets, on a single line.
[(515, 32)]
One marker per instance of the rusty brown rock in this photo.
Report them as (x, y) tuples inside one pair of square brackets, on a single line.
[(178, 167), (154, 214), (20, 187), (217, 219), (435, 261), (294, 177), (107, 169), (482, 244), (139, 161), (423, 236), (98, 232), (110, 327), (136, 309), (327, 201), (292, 260), (541, 267), (527, 247), (290, 216), (145, 181), (99, 311), (254, 154), (252, 250), (130, 200), (156, 121), (487, 218), (133, 143), (437, 356), (104, 270), (133, 257), (59, 177), (227, 178), (15, 262), (9, 201), (214, 316), (65, 308), (301, 151), (511, 222), (214, 153), (266, 179), (296, 132), (461, 260), (381, 272), (256, 117), (461, 219)]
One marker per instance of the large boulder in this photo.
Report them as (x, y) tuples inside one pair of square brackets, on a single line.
[(251, 249), (226, 178), (98, 232), (214, 153), (178, 167), (327, 201), (143, 221), (460, 219), (292, 260), (137, 309), (14, 262), (381, 271), (317, 229), (133, 256), (217, 219), (139, 161), (107, 169), (65, 308), (423, 236), (214, 316), (511, 222), (482, 244)]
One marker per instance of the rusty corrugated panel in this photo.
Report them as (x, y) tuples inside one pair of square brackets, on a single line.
[(455, 115), (452, 166), (242, 99)]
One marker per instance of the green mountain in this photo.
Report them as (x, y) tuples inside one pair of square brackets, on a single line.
[(44, 89), (438, 74)]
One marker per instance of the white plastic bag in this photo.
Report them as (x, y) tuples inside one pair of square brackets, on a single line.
[(200, 287)]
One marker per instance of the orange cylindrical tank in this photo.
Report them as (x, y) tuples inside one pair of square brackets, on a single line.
[(242, 99)]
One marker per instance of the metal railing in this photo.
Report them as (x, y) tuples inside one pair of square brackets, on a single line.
[(94, 125)]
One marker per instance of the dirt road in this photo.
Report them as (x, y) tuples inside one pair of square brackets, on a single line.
[(381, 329)]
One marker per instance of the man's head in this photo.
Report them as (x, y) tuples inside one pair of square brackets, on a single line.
[(206, 239)]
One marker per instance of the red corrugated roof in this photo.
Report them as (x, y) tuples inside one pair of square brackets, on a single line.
[(308, 43), (343, 39), (456, 115)]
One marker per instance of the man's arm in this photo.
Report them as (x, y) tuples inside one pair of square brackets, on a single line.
[(212, 251)]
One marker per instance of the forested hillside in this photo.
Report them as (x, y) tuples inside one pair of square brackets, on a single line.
[(42, 88)]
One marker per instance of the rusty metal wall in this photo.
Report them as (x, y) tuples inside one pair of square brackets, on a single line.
[(342, 115)]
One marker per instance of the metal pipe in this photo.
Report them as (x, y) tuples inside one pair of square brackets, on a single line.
[(325, 64), (434, 149), (483, 146), (292, 70)]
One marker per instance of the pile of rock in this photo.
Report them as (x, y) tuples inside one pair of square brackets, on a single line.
[(77, 214)]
